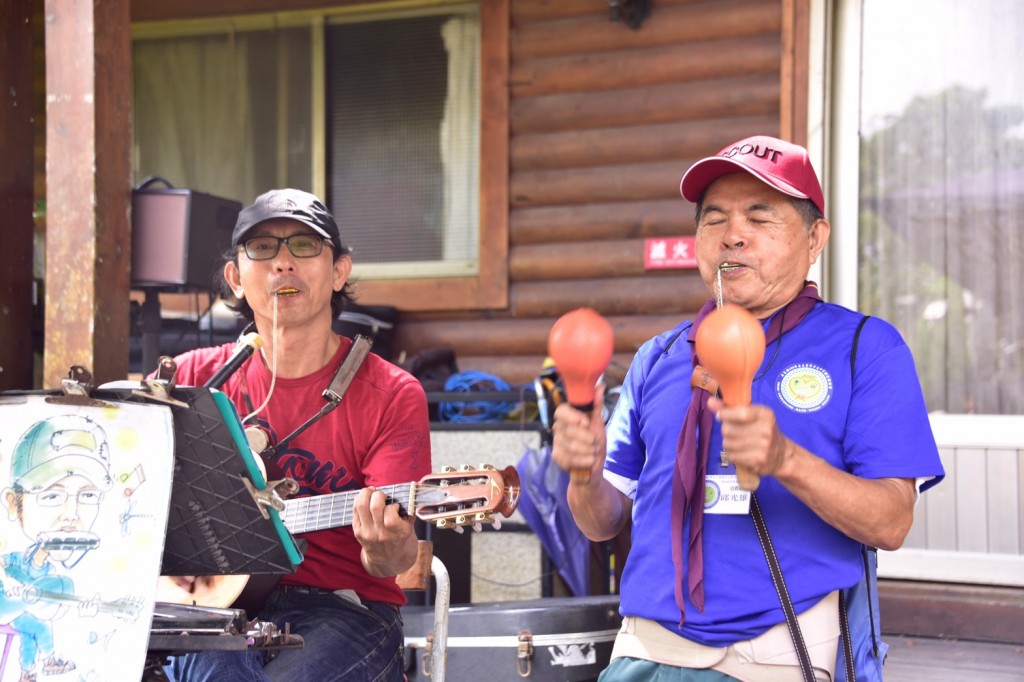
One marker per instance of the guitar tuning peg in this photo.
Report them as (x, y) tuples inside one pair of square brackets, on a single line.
[(480, 516), (461, 520), (446, 468), (465, 467), (477, 528), (496, 522), (459, 529), (442, 523), (488, 467)]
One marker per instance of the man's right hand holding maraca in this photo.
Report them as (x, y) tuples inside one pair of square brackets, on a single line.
[(579, 443)]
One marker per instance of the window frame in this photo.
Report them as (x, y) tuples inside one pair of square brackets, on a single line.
[(488, 288), (845, 154)]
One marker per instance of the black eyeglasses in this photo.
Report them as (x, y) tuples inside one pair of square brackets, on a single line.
[(300, 246)]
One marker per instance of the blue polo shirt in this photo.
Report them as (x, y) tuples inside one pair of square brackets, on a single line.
[(873, 425)]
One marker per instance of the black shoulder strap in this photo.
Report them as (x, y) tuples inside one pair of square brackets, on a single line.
[(799, 643), (668, 346), (844, 623), (672, 341), (856, 341)]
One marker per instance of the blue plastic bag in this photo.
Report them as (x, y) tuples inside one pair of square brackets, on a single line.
[(543, 503)]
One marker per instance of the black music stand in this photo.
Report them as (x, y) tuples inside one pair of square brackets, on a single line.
[(215, 526)]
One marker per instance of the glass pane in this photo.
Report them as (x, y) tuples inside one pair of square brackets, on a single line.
[(403, 126), (942, 193), (224, 114)]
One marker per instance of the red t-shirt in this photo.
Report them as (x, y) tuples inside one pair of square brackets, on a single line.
[(378, 435)]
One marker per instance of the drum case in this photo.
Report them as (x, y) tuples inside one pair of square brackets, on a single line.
[(563, 639)]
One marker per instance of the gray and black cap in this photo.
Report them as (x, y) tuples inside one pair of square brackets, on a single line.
[(293, 204)]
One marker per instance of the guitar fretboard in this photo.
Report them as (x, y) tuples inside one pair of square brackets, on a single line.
[(320, 512)]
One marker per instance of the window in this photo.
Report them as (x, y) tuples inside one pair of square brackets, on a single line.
[(404, 130), (226, 113), (936, 152), (386, 116)]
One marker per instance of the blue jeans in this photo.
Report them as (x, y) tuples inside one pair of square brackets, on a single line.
[(342, 641)]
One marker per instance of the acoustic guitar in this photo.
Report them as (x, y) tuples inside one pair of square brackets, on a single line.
[(450, 499), (46, 595)]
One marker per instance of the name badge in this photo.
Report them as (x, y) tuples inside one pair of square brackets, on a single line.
[(723, 495)]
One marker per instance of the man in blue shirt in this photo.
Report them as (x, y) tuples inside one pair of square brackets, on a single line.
[(837, 430)]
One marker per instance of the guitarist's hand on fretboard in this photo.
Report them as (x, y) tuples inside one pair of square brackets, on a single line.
[(89, 607), (388, 539)]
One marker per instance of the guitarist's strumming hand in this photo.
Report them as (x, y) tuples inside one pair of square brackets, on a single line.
[(387, 538), (193, 583)]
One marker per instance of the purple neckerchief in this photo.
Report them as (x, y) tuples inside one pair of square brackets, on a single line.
[(692, 452)]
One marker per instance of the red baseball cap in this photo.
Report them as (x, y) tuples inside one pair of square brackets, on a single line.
[(779, 164)]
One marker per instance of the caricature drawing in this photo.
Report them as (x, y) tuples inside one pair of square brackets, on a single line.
[(60, 470), (86, 489)]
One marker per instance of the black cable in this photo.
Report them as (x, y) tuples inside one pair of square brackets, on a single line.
[(149, 180), (778, 345)]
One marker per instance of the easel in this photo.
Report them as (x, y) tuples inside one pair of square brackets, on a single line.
[(220, 519)]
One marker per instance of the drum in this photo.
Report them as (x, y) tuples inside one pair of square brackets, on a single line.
[(559, 639)]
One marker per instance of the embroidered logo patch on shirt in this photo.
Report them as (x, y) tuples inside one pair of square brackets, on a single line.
[(804, 388)]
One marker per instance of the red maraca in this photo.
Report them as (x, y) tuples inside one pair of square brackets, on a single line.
[(581, 344), (730, 345)]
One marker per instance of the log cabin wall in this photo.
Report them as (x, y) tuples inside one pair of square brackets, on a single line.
[(604, 119)]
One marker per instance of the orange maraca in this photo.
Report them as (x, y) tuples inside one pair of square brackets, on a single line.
[(581, 344), (730, 345)]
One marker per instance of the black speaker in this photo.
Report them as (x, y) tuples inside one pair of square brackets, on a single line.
[(178, 237)]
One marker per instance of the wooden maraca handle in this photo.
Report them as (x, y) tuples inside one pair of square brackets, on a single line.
[(748, 479), (576, 474)]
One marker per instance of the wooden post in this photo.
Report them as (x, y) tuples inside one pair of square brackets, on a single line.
[(16, 194), (88, 178), (793, 72)]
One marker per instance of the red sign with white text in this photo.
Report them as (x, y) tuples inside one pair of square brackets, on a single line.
[(665, 253)]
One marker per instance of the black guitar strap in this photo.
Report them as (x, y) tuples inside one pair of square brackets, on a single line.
[(334, 392)]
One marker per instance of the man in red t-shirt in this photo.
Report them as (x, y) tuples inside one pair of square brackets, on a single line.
[(287, 273)]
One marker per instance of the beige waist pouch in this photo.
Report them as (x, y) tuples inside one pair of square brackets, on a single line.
[(769, 657)]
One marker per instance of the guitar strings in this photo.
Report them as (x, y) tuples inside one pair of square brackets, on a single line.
[(341, 507)]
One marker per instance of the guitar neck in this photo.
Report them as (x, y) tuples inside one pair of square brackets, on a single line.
[(320, 512), (121, 607)]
